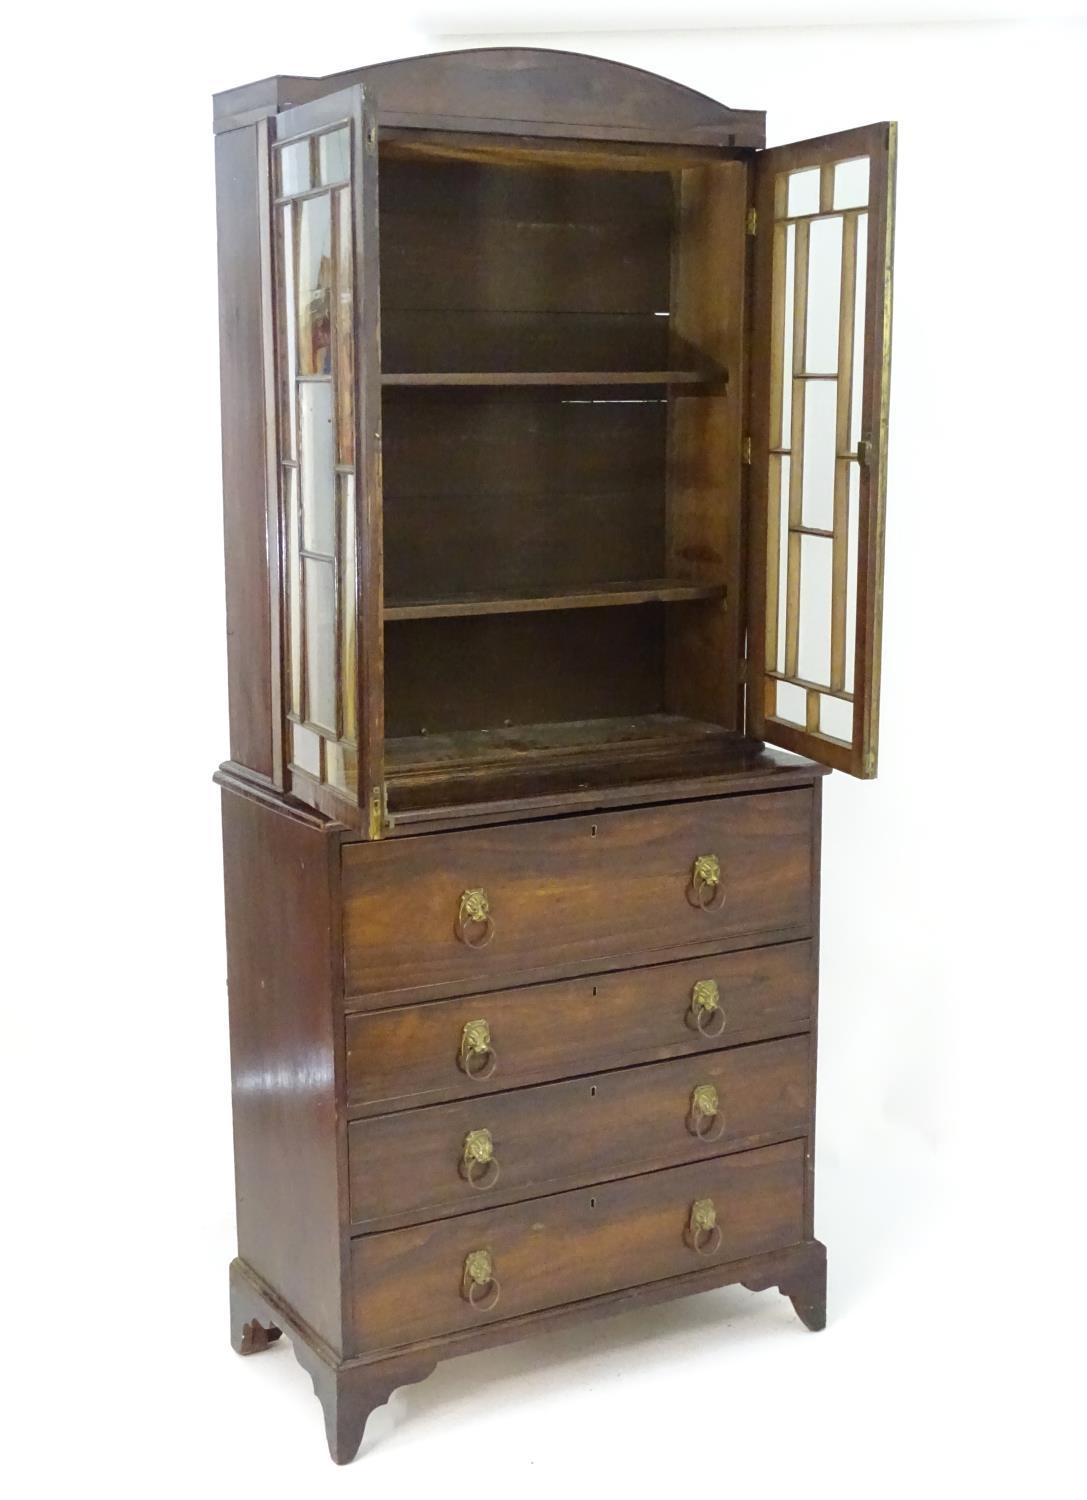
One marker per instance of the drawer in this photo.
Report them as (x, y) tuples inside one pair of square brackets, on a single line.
[(413, 1054), (454, 1158), (468, 910), (418, 1283)]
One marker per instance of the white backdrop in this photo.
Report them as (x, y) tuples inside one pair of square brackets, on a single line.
[(952, 1022)]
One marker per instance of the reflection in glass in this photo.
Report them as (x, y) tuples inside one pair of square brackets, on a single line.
[(820, 446), (787, 327), (293, 587), (858, 332), (816, 576), (306, 750), (349, 659), (290, 414), (824, 295), (342, 767), (836, 718), (334, 156), (294, 169), (782, 562), (319, 597), (852, 534), (314, 286), (792, 703), (345, 330), (851, 183), (317, 462), (803, 192)]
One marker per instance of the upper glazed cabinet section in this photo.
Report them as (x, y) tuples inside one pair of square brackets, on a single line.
[(558, 441), (820, 378)]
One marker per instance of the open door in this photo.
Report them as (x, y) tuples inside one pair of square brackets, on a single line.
[(325, 253), (820, 377)]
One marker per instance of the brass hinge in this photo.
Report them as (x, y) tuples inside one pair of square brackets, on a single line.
[(752, 221), (864, 452), (379, 821), (745, 451)]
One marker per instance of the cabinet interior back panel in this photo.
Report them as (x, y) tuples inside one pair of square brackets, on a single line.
[(517, 490), (488, 267)]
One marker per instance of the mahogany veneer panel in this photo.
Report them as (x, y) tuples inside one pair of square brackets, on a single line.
[(581, 887), (408, 1056), (406, 1283), (589, 1129)]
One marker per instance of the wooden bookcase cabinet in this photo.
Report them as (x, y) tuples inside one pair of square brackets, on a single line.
[(555, 416)]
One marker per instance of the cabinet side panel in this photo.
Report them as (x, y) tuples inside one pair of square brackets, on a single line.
[(241, 381), (281, 936)]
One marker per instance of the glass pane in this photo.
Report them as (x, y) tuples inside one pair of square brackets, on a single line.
[(286, 257), (792, 703), (836, 718), (334, 156), (342, 768), (318, 471), (306, 750), (858, 332), (294, 168), (820, 443), (293, 587), (345, 331), (782, 563), (314, 286), (320, 631), (824, 295), (349, 667), (851, 183), (852, 535), (787, 361), (803, 192), (816, 574)]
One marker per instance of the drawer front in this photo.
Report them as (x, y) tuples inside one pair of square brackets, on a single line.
[(413, 1054), (465, 910), (455, 1158), (418, 1283)]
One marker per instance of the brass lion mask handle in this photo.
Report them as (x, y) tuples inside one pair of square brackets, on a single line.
[(478, 1163), (477, 1056), (704, 1118), (479, 1285), (474, 925), (705, 889), (704, 1014), (703, 1233)]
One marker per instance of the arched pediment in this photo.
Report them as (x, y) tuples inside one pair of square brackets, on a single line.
[(525, 89)]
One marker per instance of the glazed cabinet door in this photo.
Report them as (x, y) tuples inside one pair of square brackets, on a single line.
[(323, 197), (820, 376)]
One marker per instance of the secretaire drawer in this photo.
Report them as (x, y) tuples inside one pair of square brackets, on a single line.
[(424, 1054), (417, 1283), (463, 910), (456, 1158)]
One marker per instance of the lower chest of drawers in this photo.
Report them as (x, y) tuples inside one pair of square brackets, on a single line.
[(498, 1077), (530, 1144)]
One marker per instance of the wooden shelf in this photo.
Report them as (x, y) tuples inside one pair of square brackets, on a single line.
[(450, 378), (466, 752), (602, 595)]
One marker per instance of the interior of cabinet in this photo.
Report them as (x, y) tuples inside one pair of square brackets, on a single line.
[(562, 369)]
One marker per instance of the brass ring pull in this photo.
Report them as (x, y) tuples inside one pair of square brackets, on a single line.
[(474, 925), (705, 890), (704, 1118), (476, 1057), (478, 1164), (703, 1233), (479, 1285), (705, 1014)]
